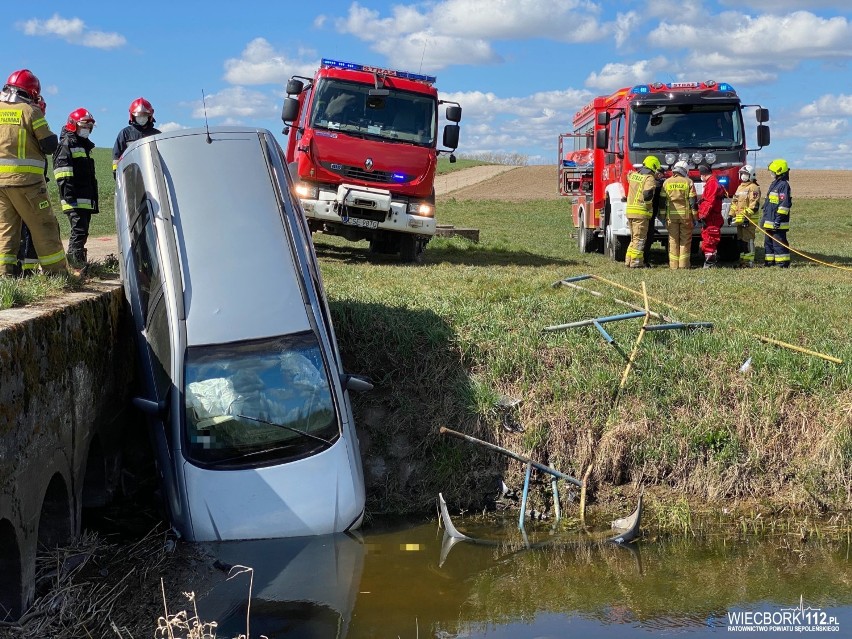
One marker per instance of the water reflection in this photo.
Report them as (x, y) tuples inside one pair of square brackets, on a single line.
[(390, 582)]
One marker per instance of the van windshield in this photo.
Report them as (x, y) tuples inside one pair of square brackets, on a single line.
[(259, 402), (348, 107), (684, 126)]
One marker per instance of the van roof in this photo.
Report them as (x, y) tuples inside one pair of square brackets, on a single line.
[(240, 279)]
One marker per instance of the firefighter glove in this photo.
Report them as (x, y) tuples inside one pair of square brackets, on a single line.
[(730, 219), (777, 225)]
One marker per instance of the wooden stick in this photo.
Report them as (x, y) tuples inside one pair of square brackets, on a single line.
[(583, 494), (638, 341)]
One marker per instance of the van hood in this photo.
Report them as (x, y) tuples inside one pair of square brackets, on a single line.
[(313, 496), (332, 153)]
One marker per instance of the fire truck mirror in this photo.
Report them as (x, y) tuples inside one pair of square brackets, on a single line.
[(603, 118), (451, 136), (290, 110), (294, 87), (601, 138), (762, 115), (454, 113), (762, 135)]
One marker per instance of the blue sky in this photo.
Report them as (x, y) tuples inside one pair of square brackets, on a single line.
[(519, 68)]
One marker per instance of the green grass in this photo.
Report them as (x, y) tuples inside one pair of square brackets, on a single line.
[(443, 337), (444, 165)]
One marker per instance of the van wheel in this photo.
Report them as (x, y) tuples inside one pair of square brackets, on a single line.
[(411, 249), (383, 246)]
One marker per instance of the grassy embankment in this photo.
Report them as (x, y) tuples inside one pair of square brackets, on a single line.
[(445, 339)]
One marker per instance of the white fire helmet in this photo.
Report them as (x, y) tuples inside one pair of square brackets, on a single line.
[(681, 167), (747, 173)]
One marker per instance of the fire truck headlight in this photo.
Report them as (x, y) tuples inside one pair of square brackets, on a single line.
[(423, 209), (696, 158), (683, 157), (306, 191), (671, 158), (710, 157)]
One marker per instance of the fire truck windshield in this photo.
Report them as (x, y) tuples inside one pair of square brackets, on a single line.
[(348, 106), (685, 126)]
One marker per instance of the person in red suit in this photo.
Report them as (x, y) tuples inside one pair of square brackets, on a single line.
[(710, 215)]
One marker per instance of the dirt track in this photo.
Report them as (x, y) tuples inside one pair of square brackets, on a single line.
[(540, 183)]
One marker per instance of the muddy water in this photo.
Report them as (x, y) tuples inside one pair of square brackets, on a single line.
[(400, 580)]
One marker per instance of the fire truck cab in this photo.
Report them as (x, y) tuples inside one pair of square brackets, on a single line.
[(362, 148), (698, 122)]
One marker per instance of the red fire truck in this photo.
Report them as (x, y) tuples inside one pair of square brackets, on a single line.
[(362, 146), (699, 122)]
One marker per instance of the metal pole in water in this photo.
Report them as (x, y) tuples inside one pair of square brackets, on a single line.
[(524, 496)]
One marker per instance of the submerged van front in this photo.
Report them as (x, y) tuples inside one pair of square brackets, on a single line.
[(258, 440)]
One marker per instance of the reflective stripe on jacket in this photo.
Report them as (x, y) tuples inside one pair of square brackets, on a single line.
[(679, 192), (777, 205), (74, 170), (745, 202), (639, 202), (22, 127)]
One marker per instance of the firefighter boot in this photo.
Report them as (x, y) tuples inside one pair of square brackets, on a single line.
[(710, 260), (78, 259)]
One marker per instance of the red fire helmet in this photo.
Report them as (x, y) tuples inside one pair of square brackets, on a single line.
[(25, 80), (141, 106), (79, 117)]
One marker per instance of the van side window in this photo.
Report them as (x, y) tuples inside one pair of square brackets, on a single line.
[(143, 239)]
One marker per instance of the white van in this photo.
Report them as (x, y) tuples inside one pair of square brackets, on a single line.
[(239, 371)]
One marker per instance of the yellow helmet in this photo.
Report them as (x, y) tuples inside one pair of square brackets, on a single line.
[(652, 162), (778, 167)]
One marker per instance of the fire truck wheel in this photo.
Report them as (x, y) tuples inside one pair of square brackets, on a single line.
[(411, 249), (729, 249), (585, 238), (616, 247)]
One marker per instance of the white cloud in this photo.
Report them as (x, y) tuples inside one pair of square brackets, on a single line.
[(524, 125), (786, 5), (827, 105), (815, 128), (170, 126), (73, 31), (779, 42), (459, 31), (259, 63), (615, 75), (239, 105)]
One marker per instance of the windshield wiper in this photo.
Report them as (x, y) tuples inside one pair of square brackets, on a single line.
[(290, 428)]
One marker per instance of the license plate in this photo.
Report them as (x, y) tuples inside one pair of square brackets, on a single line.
[(357, 221)]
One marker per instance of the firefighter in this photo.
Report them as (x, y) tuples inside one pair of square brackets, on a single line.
[(710, 215), (681, 206), (25, 139), (744, 206), (74, 170), (640, 207), (776, 216), (140, 125)]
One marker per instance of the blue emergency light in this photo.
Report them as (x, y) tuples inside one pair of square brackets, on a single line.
[(399, 177), (724, 86), (641, 88), (724, 181), (352, 66)]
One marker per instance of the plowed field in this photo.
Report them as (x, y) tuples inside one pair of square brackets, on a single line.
[(540, 183)]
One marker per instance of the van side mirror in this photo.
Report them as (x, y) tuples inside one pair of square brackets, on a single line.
[(603, 118), (454, 113), (294, 87), (356, 382), (290, 110), (451, 136), (762, 115), (601, 139), (149, 407), (762, 135)]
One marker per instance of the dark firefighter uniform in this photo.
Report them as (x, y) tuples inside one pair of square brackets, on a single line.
[(128, 134), (679, 192), (642, 188), (744, 206), (25, 138), (776, 221), (74, 170)]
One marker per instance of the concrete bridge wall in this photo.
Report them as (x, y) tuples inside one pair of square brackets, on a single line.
[(65, 374)]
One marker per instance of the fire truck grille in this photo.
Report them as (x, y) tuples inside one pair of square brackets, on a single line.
[(359, 173), (366, 214)]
